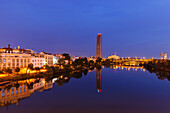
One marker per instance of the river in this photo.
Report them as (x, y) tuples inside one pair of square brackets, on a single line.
[(118, 90)]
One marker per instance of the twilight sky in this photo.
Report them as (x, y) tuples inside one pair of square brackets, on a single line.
[(130, 27)]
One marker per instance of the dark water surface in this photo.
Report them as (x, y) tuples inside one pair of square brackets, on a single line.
[(119, 91)]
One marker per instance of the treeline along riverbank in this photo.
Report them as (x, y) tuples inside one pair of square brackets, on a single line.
[(160, 67)]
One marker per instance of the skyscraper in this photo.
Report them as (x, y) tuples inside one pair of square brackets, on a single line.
[(161, 55), (99, 45)]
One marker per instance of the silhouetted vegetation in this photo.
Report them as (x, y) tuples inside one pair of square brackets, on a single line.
[(17, 70), (67, 56), (160, 67)]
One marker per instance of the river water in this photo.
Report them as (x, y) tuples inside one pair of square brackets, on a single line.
[(100, 91)]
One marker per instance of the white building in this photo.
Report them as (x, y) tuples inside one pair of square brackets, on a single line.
[(165, 56), (113, 57), (73, 58), (12, 58), (55, 59), (48, 57), (37, 61)]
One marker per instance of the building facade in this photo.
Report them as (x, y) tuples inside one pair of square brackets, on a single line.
[(48, 58), (99, 46), (163, 56), (13, 60), (17, 57), (37, 61)]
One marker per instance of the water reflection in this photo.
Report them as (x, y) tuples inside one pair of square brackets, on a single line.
[(128, 68), (13, 92), (161, 74), (99, 80)]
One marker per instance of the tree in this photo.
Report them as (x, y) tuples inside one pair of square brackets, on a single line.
[(30, 66), (9, 71), (57, 69), (1, 72), (67, 56), (61, 61), (98, 60), (17, 70), (66, 67), (37, 69), (48, 68), (85, 61), (52, 68), (78, 63), (91, 62), (85, 72)]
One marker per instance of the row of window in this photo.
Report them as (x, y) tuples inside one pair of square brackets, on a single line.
[(13, 65), (15, 60), (38, 64), (37, 60), (12, 91), (16, 56)]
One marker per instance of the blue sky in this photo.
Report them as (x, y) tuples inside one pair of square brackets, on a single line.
[(130, 27)]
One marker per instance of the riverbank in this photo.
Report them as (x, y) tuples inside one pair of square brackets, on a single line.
[(160, 67), (51, 72)]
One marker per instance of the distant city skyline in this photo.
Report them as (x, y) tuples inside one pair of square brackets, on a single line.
[(130, 28)]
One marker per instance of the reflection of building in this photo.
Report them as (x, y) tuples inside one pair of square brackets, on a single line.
[(10, 93), (99, 45), (99, 80), (134, 68)]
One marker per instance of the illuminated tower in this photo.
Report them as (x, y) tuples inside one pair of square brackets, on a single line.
[(161, 55), (99, 46), (99, 80)]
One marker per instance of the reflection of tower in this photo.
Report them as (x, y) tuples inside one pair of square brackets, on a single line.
[(99, 45), (99, 80)]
